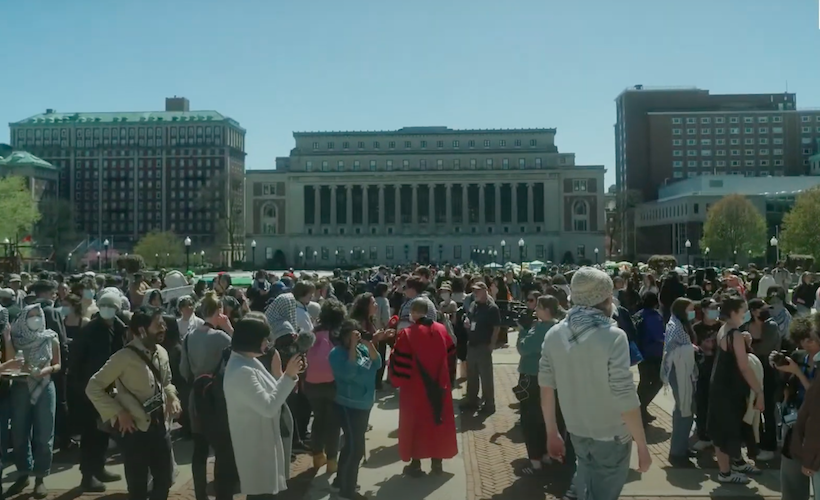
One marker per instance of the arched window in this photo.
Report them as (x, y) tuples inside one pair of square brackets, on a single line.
[(269, 219), (580, 216)]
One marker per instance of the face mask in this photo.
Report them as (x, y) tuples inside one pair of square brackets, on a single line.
[(747, 317), (88, 294), (35, 323), (764, 315), (690, 315), (712, 314), (108, 312), (445, 296), (65, 311)]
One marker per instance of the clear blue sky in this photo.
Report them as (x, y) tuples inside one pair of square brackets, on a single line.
[(282, 65)]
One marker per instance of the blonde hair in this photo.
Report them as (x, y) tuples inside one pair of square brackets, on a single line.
[(210, 304)]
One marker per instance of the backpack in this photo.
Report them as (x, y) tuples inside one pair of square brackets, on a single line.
[(209, 398), (318, 359)]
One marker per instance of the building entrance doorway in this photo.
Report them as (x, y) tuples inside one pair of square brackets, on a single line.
[(424, 254)]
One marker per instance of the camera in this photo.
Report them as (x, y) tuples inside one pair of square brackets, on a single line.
[(367, 336)]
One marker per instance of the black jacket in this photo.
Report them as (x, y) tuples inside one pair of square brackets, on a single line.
[(96, 343)]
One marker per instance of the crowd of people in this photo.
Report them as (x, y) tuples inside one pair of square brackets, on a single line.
[(293, 364)]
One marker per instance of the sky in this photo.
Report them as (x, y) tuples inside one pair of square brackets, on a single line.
[(278, 66)]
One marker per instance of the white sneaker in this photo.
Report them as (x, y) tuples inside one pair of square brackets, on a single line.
[(701, 445), (765, 455), (745, 468), (733, 478)]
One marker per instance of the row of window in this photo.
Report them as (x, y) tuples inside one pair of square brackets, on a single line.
[(723, 163), (143, 227), (114, 153), (457, 229), (358, 253), (748, 141), (373, 165), (456, 144), (731, 152), (732, 130), (746, 173), (705, 120)]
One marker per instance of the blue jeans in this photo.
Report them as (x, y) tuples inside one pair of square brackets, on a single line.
[(602, 467), (32, 426), (354, 425), (681, 426)]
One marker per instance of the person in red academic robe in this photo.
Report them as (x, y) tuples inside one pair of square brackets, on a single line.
[(420, 367)]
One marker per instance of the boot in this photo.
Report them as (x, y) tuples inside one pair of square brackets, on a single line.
[(91, 484)]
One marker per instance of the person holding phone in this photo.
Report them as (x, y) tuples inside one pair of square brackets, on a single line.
[(255, 399), (354, 362)]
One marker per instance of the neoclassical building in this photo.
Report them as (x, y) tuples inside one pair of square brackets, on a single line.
[(426, 194)]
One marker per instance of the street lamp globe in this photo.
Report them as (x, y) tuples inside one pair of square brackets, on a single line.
[(596, 251), (315, 253), (773, 241), (503, 243), (301, 254), (202, 253), (98, 254), (706, 250), (688, 244), (253, 244), (521, 242), (187, 241), (106, 243), (6, 241)]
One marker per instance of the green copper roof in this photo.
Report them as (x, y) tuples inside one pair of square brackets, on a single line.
[(24, 159), (126, 117)]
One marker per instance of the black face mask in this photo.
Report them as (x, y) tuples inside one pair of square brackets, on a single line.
[(764, 315)]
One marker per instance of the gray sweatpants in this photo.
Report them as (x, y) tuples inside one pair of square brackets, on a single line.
[(480, 369)]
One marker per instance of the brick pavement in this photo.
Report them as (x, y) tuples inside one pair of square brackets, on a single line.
[(494, 452)]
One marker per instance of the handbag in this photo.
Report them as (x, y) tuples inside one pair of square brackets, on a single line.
[(152, 405)]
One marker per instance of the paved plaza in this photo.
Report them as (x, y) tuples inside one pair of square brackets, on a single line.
[(492, 452)]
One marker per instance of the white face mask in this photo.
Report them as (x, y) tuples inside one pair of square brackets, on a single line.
[(88, 294), (108, 312), (35, 323), (445, 296)]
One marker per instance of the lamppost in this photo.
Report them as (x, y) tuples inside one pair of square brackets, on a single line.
[(688, 245), (503, 246), (156, 260), (521, 252), (351, 257), (750, 256), (253, 252), (202, 258), (105, 246), (706, 255), (315, 257), (495, 256), (734, 252), (187, 253), (773, 242), (6, 244), (99, 262), (337, 257), (301, 257), (440, 253), (483, 256), (596, 256), (68, 263), (167, 259)]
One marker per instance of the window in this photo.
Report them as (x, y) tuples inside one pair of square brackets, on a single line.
[(486, 144), (805, 130), (763, 130), (777, 140), (391, 144), (315, 144), (720, 119), (676, 142), (734, 142), (422, 164), (691, 142), (579, 185), (735, 163), (721, 152), (748, 119), (532, 142), (473, 164), (405, 164), (777, 130), (677, 175), (706, 152), (707, 164), (329, 145), (764, 163), (749, 163), (389, 165), (470, 144), (763, 141), (764, 152), (778, 163), (361, 145), (720, 131), (762, 119), (489, 163), (376, 145), (372, 165), (408, 144), (357, 165), (677, 164), (677, 152), (676, 121), (439, 164), (692, 163), (340, 166), (721, 163), (522, 163), (735, 152), (777, 119), (455, 144), (749, 142), (308, 166), (423, 144), (456, 164), (777, 152), (749, 152), (439, 144), (705, 131), (538, 163), (580, 215), (325, 167), (691, 152), (518, 143), (733, 119), (691, 131), (705, 120), (734, 130), (748, 130), (805, 119), (345, 145), (690, 121), (720, 142), (676, 131), (706, 142)]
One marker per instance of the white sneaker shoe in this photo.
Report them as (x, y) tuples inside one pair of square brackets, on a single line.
[(702, 445), (745, 468), (765, 455), (733, 478)]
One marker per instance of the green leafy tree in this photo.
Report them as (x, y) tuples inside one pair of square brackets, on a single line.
[(18, 208), (799, 233), (161, 249), (734, 227), (56, 226)]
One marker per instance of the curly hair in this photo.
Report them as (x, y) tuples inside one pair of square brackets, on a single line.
[(332, 314), (804, 328), (360, 310)]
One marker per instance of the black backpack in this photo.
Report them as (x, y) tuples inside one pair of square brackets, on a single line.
[(209, 398)]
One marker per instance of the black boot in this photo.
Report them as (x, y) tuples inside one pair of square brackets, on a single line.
[(91, 484)]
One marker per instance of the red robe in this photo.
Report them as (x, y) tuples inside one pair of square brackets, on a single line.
[(420, 437)]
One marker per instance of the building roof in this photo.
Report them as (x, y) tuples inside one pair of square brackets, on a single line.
[(25, 159), (50, 117), (427, 131), (721, 185)]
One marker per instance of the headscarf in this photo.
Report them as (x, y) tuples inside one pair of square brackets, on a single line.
[(675, 337), (583, 321), (281, 309), (36, 346)]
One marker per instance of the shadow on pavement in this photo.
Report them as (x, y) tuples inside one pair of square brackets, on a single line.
[(399, 487), (692, 481), (381, 456), (655, 434)]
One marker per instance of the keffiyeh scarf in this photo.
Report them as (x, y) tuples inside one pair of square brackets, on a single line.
[(281, 310), (36, 346), (783, 319), (583, 321), (675, 337)]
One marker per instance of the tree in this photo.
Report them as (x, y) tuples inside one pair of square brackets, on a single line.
[(734, 227), (18, 208), (161, 249), (625, 202), (225, 193), (799, 232), (56, 226)]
